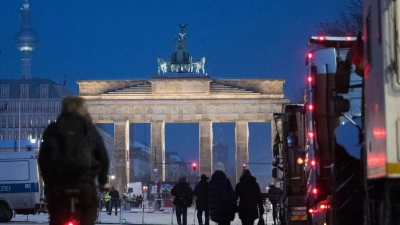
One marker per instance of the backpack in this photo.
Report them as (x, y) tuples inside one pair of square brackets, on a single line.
[(185, 197), (71, 154)]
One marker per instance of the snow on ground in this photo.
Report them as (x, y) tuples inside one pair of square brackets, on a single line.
[(135, 216)]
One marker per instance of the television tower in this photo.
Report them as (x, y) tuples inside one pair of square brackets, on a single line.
[(26, 40)]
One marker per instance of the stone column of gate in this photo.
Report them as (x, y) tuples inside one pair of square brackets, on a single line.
[(242, 146), (157, 156), (121, 155), (205, 148)]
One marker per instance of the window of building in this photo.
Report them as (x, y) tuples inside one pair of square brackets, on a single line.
[(5, 91), (10, 121), (30, 121), (3, 121), (24, 91), (44, 91), (16, 119), (23, 121)]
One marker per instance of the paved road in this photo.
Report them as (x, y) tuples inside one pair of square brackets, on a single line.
[(134, 216)]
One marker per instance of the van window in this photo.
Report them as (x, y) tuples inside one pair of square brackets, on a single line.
[(14, 170)]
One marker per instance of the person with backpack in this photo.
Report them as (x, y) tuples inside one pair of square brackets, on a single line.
[(201, 192), (221, 199), (250, 201), (72, 155), (114, 194), (183, 199)]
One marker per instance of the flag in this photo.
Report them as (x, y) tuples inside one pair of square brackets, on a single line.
[(356, 55)]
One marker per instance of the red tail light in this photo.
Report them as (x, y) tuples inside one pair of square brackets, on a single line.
[(71, 222), (311, 211), (310, 55), (321, 38), (309, 79), (311, 134), (314, 191), (312, 162), (310, 107)]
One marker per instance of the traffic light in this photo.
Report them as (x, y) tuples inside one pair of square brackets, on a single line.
[(244, 167), (194, 166)]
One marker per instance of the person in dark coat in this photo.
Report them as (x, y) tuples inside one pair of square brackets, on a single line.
[(221, 199), (183, 199), (114, 194), (250, 201), (201, 191), (73, 120)]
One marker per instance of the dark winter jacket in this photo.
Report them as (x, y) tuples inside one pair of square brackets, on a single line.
[(178, 190), (250, 200), (221, 198), (75, 122), (114, 194), (201, 191)]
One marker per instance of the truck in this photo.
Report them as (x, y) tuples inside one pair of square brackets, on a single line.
[(319, 152), (378, 59), (134, 189), (19, 184), (287, 153)]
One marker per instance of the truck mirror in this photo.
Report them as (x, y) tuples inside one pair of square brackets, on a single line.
[(342, 77), (274, 173), (275, 149), (339, 104)]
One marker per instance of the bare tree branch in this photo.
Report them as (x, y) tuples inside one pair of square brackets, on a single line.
[(349, 22)]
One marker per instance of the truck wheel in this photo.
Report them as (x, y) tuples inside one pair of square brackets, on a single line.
[(5, 214)]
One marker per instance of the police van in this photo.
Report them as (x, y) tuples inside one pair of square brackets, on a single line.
[(19, 184)]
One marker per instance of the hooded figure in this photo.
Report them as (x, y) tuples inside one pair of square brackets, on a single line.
[(250, 201), (221, 199)]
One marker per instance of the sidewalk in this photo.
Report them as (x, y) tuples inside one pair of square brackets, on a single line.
[(136, 216)]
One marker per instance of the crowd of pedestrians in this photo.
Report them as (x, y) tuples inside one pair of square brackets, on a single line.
[(218, 201)]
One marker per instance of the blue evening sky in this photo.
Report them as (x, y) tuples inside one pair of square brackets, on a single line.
[(90, 40)]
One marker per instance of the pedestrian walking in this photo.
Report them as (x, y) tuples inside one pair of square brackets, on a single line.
[(221, 199), (201, 192), (250, 201), (182, 200), (107, 199), (114, 201), (274, 201)]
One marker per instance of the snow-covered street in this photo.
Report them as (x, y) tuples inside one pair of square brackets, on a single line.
[(134, 216)]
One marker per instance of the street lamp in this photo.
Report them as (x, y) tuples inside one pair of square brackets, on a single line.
[(38, 137)]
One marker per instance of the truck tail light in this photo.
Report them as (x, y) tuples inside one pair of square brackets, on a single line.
[(313, 163), (314, 190)]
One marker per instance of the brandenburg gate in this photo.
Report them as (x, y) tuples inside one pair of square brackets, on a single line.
[(181, 92)]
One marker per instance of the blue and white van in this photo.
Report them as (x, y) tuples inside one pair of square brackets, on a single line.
[(19, 184)]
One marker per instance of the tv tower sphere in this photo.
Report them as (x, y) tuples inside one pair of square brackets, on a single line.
[(26, 38)]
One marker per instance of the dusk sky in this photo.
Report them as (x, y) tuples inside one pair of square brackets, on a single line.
[(93, 40)]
